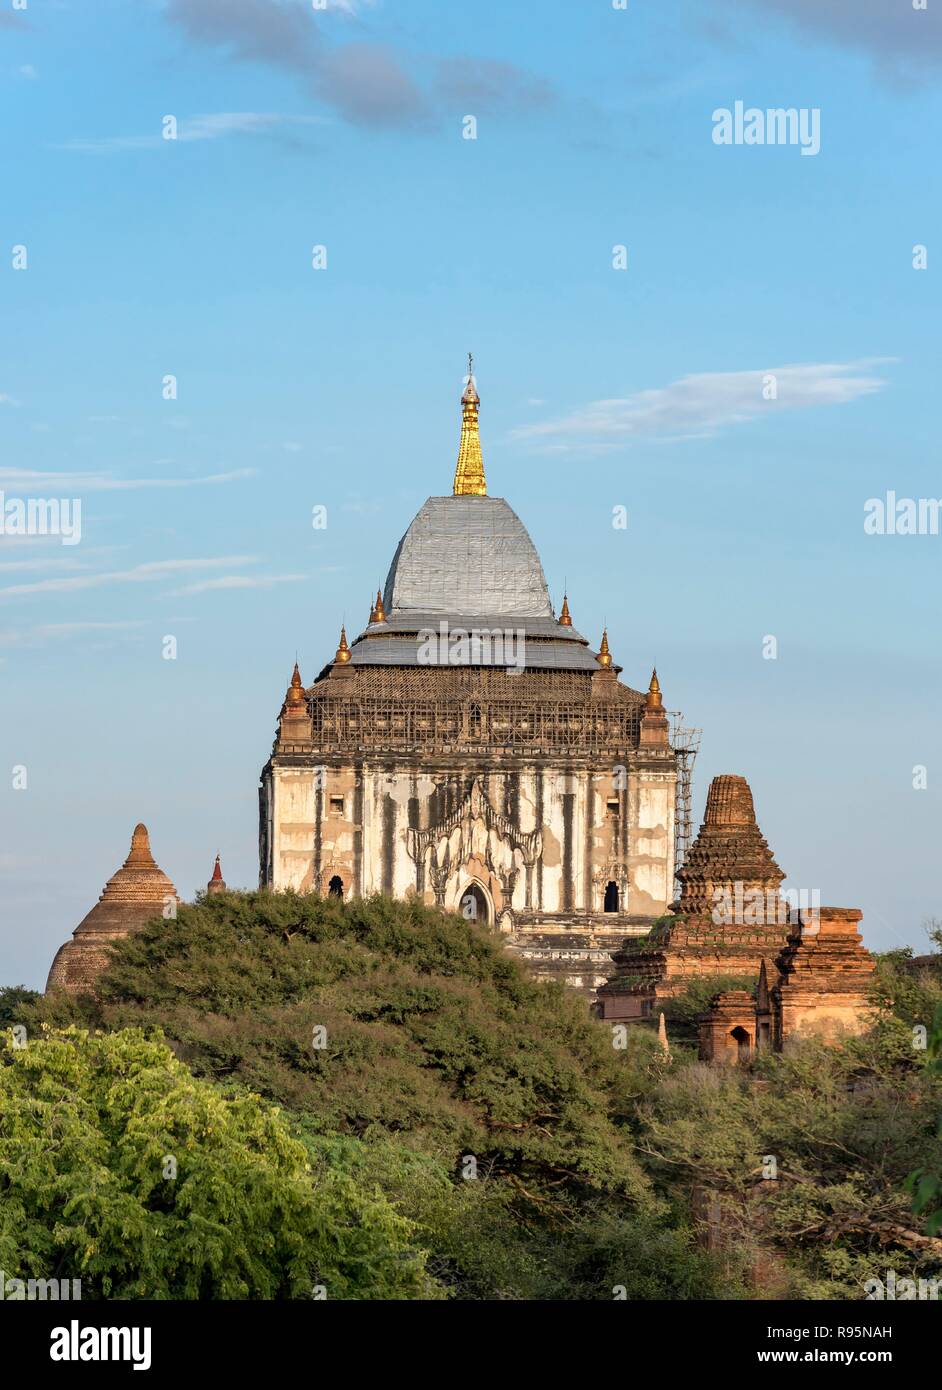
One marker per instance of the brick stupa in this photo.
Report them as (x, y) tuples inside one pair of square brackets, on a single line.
[(216, 884), (138, 892), (730, 917), (821, 981)]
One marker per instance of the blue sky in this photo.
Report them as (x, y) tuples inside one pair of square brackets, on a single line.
[(339, 387)]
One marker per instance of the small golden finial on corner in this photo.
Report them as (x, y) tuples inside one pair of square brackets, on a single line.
[(654, 701), (343, 651), (604, 657), (296, 688)]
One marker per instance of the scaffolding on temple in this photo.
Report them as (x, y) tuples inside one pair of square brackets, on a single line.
[(686, 745)]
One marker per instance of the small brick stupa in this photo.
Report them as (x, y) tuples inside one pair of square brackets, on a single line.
[(731, 915), (138, 892), (216, 884)]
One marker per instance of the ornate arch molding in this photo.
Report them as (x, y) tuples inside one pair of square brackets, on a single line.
[(423, 845), (476, 806)]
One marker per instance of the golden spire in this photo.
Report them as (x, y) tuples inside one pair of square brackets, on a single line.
[(564, 618), (604, 657), (295, 689), (469, 474), (378, 612), (653, 701), (343, 651)]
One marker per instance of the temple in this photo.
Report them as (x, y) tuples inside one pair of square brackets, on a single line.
[(785, 971), (729, 918), (136, 893), (469, 747)]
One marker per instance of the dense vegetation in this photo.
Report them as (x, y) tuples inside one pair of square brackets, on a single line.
[(482, 1130), (119, 1168)]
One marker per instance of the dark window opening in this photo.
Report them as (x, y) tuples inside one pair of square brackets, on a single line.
[(336, 805), (743, 1043), (611, 897), (335, 887), (473, 904)]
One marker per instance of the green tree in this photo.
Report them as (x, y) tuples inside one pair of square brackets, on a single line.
[(120, 1168), (797, 1165), (490, 1109), (925, 1184), (14, 1000)]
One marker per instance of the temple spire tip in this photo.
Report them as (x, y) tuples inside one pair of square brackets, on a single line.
[(469, 472)]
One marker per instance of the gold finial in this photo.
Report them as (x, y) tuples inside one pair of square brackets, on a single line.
[(653, 701), (469, 473), (295, 689), (343, 651), (564, 618), (378, 612), (604, 657)]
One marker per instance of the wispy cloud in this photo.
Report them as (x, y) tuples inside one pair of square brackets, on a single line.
[(214, 126), (7, 400), (697, 406), (55, 632), (39, 562), (236, 581), (106, 482), (148, 573), (50, 560)]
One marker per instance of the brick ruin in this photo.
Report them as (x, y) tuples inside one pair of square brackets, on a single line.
[(730, 916), (811, 970), (138, 892)]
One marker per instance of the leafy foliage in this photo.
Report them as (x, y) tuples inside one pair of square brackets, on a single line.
[(490, 1108), (524, 1155), (430, 1030), (842, 1126), (119, 1168), (14, 1002), (925, 1184)]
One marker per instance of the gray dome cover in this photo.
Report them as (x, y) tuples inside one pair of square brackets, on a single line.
[(467, 556)]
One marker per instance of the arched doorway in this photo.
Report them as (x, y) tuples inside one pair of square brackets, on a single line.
[(335, 887), (473, 904), (743, 1043), (611, 896)]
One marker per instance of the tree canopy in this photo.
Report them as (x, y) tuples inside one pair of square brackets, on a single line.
[(506, 1144), (120, 1168)]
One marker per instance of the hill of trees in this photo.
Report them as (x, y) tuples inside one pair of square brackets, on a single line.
[(477, 1134)]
